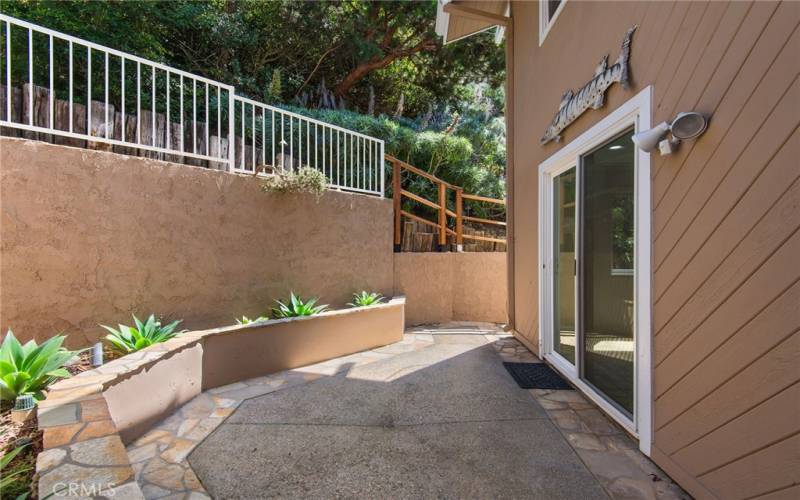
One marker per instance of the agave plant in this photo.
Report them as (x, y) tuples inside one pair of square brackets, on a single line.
[(244, 320), (296, 307), (132, 338), (364, 298), (30, 368)]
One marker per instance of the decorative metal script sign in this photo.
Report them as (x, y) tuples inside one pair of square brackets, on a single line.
[(591, 95)]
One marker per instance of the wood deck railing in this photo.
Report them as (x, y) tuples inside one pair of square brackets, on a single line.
[(440, 205)]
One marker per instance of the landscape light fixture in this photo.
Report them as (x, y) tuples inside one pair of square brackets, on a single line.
[(685, 126), (24, 408)]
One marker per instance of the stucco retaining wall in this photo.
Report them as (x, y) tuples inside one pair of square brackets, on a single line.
[(90, 237), (443, 287)]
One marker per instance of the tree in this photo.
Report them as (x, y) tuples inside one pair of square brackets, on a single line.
[(274, 90), (353, 45), (387, 31)]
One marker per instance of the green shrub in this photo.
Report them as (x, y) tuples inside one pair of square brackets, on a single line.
[(436, 152), (364, 298), (296, 307), (133, 338), (30, 368), (273, 93), (244, 320), (468, 152), (9, 477), (304, 180)]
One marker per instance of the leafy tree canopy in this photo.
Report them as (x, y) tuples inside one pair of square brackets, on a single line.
[(349, 45)]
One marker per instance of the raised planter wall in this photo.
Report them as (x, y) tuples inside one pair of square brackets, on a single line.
[(88, 419), (243, 353), (139, 399)]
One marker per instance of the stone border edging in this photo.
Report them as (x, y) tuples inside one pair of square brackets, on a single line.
[(87, 419)]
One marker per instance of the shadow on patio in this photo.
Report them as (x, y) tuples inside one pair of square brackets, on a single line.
[(435, 415)]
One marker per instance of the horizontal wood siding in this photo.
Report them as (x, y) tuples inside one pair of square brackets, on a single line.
[(726, 214)]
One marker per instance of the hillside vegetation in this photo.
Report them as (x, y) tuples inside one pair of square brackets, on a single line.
[(375, 67)]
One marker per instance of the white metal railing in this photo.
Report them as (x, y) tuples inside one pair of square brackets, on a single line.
[(90, 94), (350, 160)]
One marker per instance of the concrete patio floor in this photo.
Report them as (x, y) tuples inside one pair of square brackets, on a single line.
[(435, 415)]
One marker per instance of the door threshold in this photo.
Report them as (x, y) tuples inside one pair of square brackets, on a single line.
[(592, 395)]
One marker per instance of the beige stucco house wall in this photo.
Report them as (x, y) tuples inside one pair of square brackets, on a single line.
[(725, 303)]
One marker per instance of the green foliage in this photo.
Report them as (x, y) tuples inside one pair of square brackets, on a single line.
[(295, 306), (243, 43), (30, 368), (133, 338), (304, 180), (244, 320), (435, 149), (364, 298), (8, 478), (463, 145), (622, 239), (274, 89)]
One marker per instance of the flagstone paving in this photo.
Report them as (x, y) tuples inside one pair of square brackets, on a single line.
[(433, 415)]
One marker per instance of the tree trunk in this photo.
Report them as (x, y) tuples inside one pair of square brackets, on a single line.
[(400, 103), (365, 68), (359, 72)]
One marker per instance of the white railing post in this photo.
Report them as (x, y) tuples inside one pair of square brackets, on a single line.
[(89, 91), (71, 98), (122, 103), (8, 72), (382, 164), (231, 128), (52, 105), (30, 76)]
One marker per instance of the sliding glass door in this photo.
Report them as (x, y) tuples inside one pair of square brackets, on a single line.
[(606, 256), (564, 264), (593, 269)]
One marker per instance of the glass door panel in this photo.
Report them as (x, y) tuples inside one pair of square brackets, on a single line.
[(564, 264), (606, 264)]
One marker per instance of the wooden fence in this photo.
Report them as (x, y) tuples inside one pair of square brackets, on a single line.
[(418, 237), (443, 236), (20, 112)]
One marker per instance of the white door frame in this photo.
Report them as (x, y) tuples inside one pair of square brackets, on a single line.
[(635, 112)]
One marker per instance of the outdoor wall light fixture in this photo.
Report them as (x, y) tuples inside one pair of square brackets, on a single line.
[(685, 126)]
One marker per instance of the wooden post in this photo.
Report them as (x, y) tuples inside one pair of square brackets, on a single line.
[(442, 215), (397, 201), (459, 220)]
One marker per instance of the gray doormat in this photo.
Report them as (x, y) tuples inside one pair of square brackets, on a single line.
[(536, 376)]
